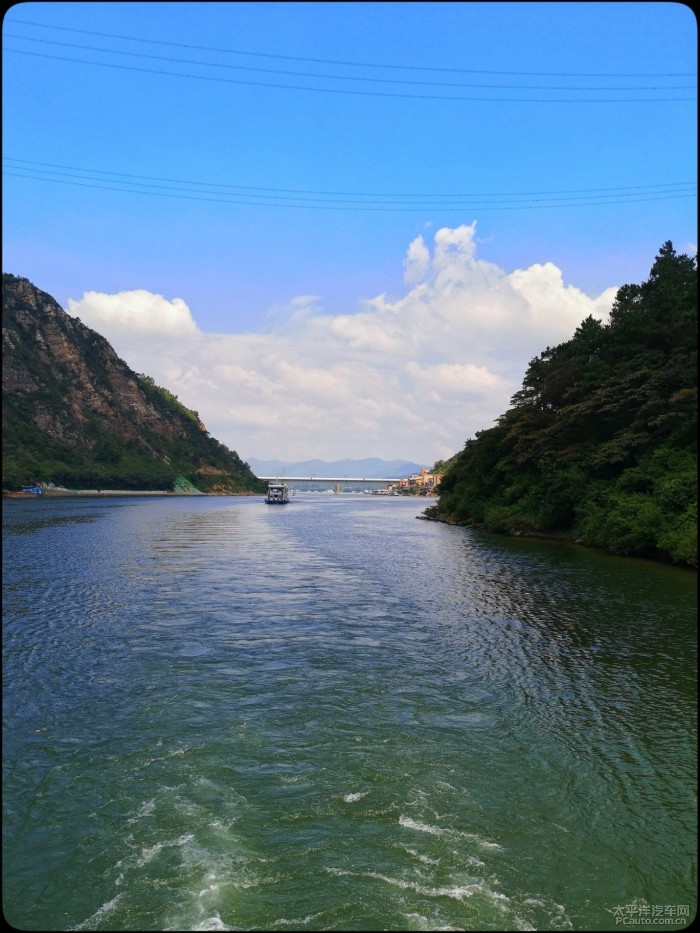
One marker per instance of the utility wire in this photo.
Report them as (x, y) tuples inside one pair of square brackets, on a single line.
[(326, 61), (149, 181), (325, 90), (345, 206), (328, 77)]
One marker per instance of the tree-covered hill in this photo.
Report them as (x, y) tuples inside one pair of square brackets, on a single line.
[(74, 414), (600, 444)]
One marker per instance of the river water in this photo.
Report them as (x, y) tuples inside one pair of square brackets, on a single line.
[(222, 715)]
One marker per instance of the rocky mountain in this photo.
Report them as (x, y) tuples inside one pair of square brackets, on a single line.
[(74, 413), (369, 468)]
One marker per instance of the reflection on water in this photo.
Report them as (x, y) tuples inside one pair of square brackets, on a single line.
[(26, 526), (333, 716)]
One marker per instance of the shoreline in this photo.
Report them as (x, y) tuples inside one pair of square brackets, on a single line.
[(557, 538), (106, 493)]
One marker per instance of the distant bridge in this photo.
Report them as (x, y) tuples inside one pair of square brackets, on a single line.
[(380, 481)]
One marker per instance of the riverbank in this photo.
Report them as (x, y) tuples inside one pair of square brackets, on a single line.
[(560, 537), (102, 493)]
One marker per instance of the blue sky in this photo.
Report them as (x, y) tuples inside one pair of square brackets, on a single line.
[(343, 229)]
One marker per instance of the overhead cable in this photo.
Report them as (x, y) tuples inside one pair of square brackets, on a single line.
[(326, 90), (268, 201), (146, 180), (331, 77), (326, 61)]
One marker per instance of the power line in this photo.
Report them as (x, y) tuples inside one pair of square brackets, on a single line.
[(329, 77), (29, 165), (326, 61), (325, 90), (349, 206)]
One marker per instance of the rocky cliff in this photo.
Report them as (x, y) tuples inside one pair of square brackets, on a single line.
[(74, 413)]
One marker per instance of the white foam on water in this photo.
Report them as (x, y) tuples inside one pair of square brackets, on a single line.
[(479, 840), (426, 924), (351, 798), (407, 822), (457, 891), (101, 912), (426, 860), (149, 853), (475, 862), (212, 923), (212, 889), (146, 809), (557, 918), (302, 921), (445, 784), (421, 827), (470, 860), (422, 858)]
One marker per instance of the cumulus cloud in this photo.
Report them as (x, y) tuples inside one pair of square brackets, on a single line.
[(137, 310), (407, 378), (417, 261)]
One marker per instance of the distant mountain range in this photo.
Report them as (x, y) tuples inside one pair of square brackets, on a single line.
[(368, 468)]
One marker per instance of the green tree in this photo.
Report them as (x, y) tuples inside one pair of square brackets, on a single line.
[(600, 443)]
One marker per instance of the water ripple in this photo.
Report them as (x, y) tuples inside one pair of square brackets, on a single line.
[(331, 716)]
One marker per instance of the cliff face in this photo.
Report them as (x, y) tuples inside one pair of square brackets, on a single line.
[(74, 413)]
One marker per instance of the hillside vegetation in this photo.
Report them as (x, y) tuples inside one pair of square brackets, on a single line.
[(600, 444), (74, 414)]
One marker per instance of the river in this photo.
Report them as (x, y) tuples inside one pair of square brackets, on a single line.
[(222, 715)]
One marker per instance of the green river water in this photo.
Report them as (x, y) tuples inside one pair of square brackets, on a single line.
[(222, 715)]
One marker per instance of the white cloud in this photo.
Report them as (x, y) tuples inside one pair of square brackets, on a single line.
[(411, 378), (417, 261), (551, 304), (137, 310), (456, 379), (280, 317)]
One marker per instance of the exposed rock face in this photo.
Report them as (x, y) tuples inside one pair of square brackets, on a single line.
[(96, 378), (68, 399)]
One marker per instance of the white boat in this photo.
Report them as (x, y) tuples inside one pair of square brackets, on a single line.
[(277, 493)]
